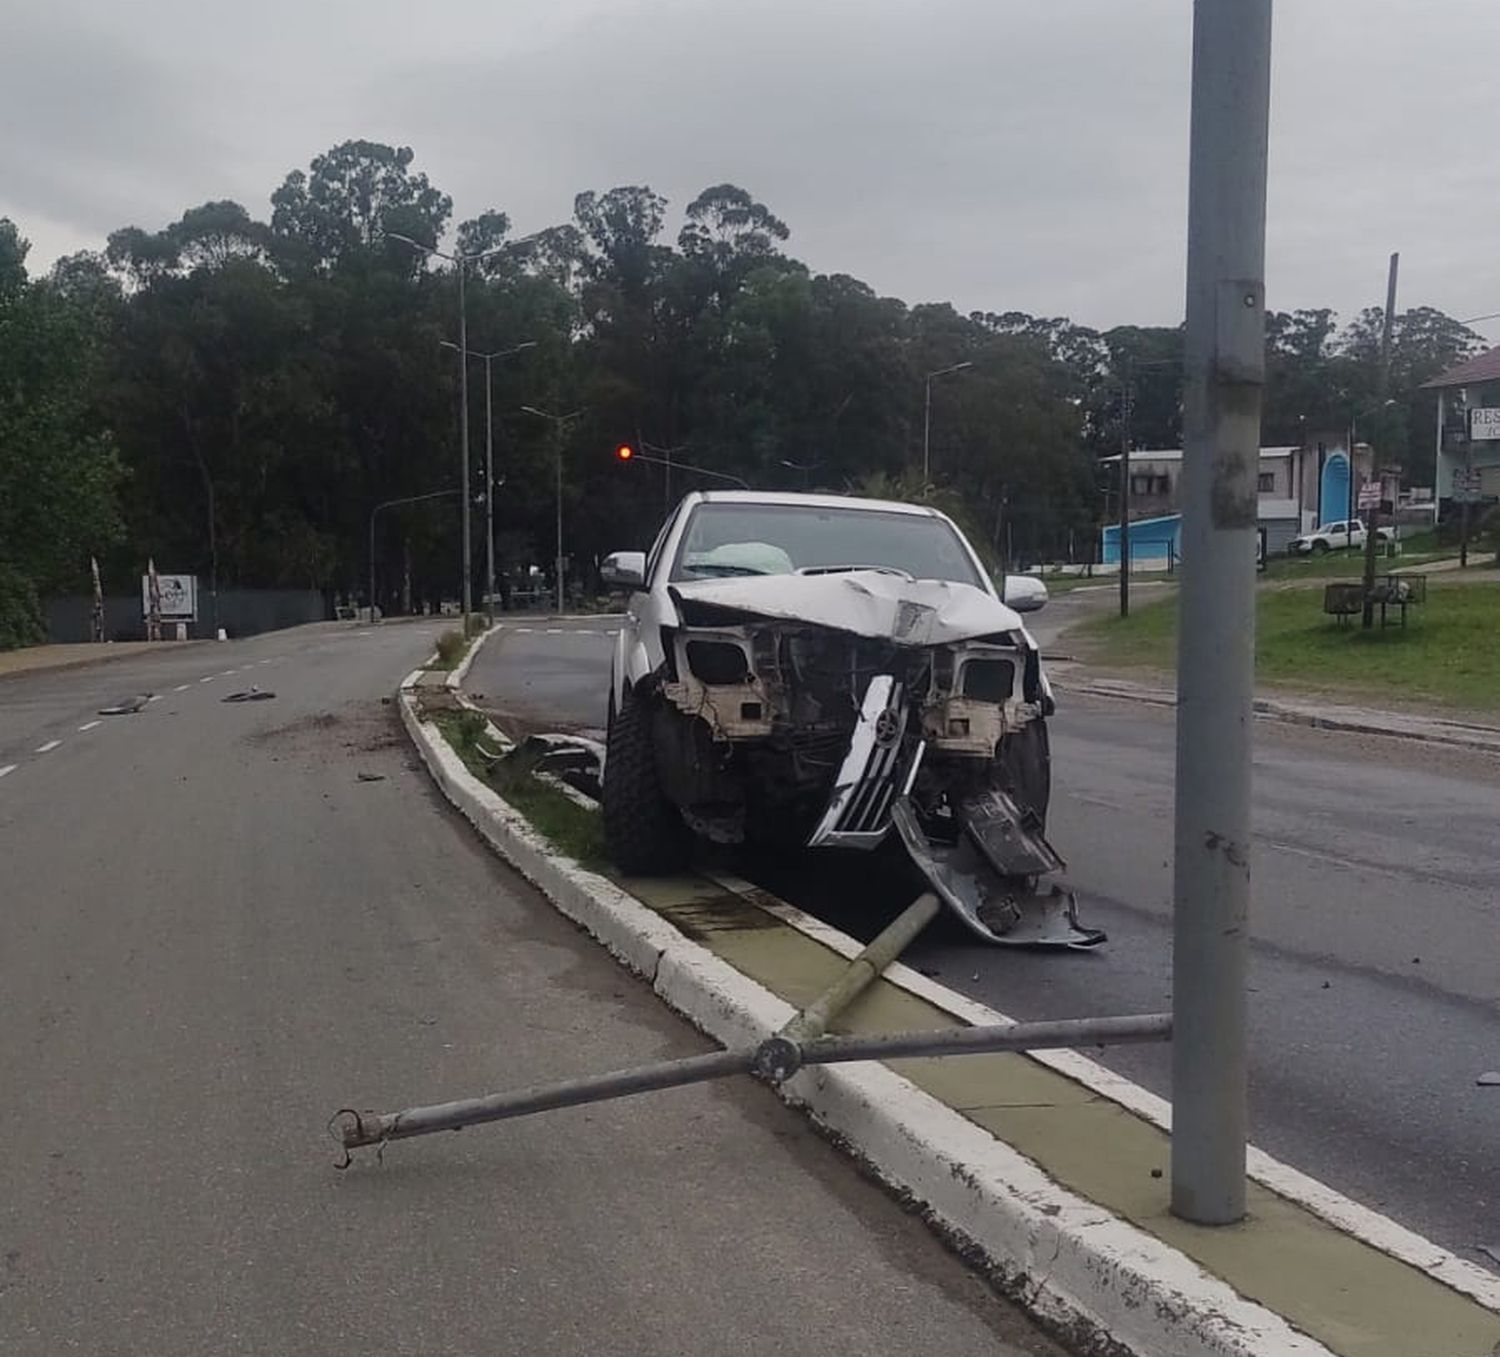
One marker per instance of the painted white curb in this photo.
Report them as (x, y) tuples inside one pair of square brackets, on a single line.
[(1370, 1227), (1094, 1276)]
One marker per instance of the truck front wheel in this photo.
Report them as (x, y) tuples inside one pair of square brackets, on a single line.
[(643, 833)]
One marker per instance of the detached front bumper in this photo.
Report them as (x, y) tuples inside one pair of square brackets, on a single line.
[(988, 874)]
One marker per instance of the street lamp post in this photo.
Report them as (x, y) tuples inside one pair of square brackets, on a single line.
[(460, 263), (391, 504), (927, 418), (558, 422), (489, 465), (664, 459)]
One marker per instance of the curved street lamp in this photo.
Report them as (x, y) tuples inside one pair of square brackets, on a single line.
[(489, 464), (391, 504), (460, 263), (927, 417), (558, 423)]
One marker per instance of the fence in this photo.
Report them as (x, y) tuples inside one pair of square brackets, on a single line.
[(242, 612)]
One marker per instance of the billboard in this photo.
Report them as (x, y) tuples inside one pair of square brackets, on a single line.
[(1484, 423), (179, 597)]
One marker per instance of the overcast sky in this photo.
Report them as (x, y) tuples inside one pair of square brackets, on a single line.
[(998, 154)]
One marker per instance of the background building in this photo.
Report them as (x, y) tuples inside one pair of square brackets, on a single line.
[(1299, 488), (1474, 385)]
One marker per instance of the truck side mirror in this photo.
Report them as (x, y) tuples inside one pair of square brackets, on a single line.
[(1024, 593), (623, 569)]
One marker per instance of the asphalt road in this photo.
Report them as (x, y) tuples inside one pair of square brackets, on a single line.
[(1376, 931), (215, 933)]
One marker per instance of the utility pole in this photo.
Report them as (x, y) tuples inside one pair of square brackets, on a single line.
[(1377, 454), (1225, 372), (1125, 395)]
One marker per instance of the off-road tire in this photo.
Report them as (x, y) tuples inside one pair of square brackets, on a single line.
[(643, 833), (1025, 768)]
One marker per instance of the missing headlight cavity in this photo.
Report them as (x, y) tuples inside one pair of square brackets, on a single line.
[(989, 680), (717, 662)]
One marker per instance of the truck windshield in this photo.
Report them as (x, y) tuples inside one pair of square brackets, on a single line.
[(780, 539)]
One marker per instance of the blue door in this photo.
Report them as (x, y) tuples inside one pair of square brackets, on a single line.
[(1333, 503)]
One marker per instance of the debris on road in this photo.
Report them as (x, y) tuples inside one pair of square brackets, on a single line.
[(127, 706), (1490, 1079), (250, 694), (371, 777), (573, 759)]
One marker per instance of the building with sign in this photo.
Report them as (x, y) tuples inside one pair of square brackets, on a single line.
[(1299, 489), (1468, 431)]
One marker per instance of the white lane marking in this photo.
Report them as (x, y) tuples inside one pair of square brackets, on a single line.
[(225, 673), (155, 697), (48, 747), (207, 679), (182, 687), (89, 725), (7, 770)]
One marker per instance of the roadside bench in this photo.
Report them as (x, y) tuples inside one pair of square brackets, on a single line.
[(1343, 600)]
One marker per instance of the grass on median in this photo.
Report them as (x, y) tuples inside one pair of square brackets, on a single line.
[(452, 646), (573, 830), (1449, 654)]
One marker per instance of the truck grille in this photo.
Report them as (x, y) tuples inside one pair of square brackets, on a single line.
[(877, 769)]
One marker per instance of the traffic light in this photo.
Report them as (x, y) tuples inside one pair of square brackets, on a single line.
[(624, 452)]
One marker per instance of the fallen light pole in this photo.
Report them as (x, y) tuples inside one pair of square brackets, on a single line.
[(1224, 367), (803, 1041)]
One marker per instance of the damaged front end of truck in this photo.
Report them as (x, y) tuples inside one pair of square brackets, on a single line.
[(844, 710)]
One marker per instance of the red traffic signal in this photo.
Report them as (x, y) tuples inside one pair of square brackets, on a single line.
[(624, 452)]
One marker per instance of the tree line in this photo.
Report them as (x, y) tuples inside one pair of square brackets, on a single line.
[(232, 396)]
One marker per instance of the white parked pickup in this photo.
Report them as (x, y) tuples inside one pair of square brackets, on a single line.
[(1335, 537)]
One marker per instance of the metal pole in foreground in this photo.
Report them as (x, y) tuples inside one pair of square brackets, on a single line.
[(1382, 435), (1125, 493), (1225, 371)]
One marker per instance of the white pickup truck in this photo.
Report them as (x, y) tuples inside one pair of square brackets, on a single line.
[(1335, 537)]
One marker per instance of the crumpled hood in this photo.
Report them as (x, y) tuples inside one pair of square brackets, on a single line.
[(864, 602)]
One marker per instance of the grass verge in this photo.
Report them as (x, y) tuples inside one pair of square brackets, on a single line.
[(1448, 655), (574, 830)]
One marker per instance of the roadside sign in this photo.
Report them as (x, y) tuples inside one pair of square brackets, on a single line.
[(1369, 495), (1466, 485), (179, 597), (1484, 422)]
